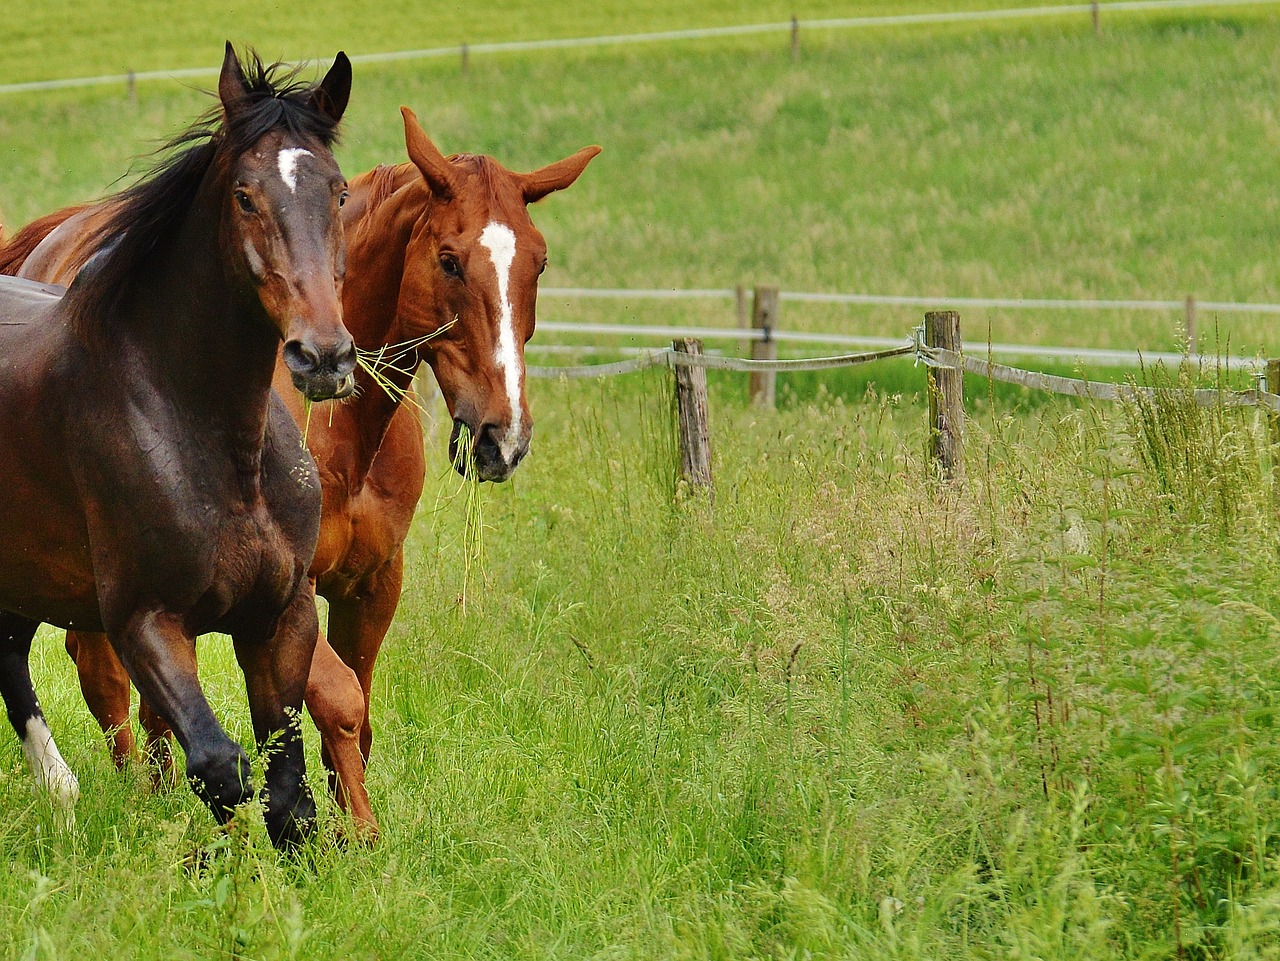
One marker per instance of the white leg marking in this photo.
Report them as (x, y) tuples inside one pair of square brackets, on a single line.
[(501, 243), (288, 162), (51, 772)]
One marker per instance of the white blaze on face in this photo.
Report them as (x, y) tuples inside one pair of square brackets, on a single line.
[(500, 241), (51, 772), (287, 160)]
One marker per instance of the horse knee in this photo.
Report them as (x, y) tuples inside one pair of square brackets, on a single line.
[(220, 778), (337, 705)]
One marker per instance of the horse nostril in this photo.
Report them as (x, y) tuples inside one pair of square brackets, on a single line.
[(487, 441), (300, 357), (346, 357)]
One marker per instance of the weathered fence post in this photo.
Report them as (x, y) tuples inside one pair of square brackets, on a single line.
[(1191, 324), (946, 397), (795, 38), (1096, 14), (691, 410), (466, 59), (764, 316), (131, 87)]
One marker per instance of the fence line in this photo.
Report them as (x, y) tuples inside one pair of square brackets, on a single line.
[(935, 357), (1090, 390), (1091, 355), (667, 357), (894, 300), (938, 345), (846, 23)]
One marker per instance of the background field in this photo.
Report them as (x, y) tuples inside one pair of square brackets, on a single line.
[(842, 714)]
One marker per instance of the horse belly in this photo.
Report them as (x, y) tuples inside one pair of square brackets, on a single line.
[(46, 566)]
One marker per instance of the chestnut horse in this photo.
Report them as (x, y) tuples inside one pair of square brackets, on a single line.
[(442, 267), (155, 488)]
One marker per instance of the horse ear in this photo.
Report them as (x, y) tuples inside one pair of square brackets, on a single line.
[(331, 96), (556, 176), (231, 82), (430, 162)]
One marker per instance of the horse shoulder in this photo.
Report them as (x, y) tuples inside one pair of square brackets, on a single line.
[(290, 481)]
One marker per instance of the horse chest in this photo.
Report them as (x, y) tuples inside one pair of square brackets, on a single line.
[(358, 536), (255, 567)]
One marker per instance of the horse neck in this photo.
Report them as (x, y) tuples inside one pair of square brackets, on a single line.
[(204, 333), (377, 234)]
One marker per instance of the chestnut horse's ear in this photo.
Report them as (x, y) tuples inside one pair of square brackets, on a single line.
[(331, 96), (231, 82), (556, 176), (431, 163)]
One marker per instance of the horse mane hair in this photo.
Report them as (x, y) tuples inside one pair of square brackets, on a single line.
[(149, 213), (15, 252), (483, 166)]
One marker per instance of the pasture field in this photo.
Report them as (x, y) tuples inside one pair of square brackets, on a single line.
[(842, 713)]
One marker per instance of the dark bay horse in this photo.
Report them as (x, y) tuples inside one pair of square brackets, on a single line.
[(436, 248), (155, 487)]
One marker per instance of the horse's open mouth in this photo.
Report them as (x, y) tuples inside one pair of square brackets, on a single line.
[(317, 387)]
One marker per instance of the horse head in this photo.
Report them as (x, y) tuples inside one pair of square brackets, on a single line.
[(280, 225), (471, 282)]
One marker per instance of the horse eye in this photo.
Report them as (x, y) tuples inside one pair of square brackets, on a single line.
[(542, 268), (245, 202), (450, 265), (342, 198)]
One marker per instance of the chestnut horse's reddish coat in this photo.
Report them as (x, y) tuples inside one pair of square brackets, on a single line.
[(154, 486), (440, 247)]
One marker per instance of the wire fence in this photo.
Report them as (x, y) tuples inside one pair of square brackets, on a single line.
[(1089, 356), (931, 356), (898, 300), (794, 26)]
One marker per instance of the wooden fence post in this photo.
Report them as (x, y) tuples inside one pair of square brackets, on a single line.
[(131, 87), (466, 59), (946, 397), (691, 410), (795, 38), (764, 316), (1095, 13)]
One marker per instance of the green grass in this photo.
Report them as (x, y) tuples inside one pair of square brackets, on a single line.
[(1025, 160), (842, 712), (107, 37)]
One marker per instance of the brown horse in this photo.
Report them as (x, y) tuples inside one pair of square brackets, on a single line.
[(155, 486), (443, 264)]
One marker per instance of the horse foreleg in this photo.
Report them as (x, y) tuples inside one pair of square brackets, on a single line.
[(357, 627), (51, 772), (337, 706), (275, 672), (159, 744), (105, 685), (161, 660)]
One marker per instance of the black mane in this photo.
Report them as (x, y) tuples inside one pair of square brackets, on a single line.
[(151, 211)]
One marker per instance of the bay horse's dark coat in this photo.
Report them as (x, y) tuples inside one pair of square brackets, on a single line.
[(154, 486)]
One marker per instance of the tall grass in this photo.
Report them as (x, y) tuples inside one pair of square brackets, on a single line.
[(846, 714)]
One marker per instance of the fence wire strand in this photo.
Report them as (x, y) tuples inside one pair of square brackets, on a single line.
[(931, 357), (1090, 390), (671, 358)]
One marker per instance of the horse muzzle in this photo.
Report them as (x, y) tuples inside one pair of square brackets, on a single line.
[(322, 373), (493, 456)]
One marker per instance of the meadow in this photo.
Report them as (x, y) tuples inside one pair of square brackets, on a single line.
[(844, 711)]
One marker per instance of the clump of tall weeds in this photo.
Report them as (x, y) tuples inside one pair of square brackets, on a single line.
[(1201, 457)]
